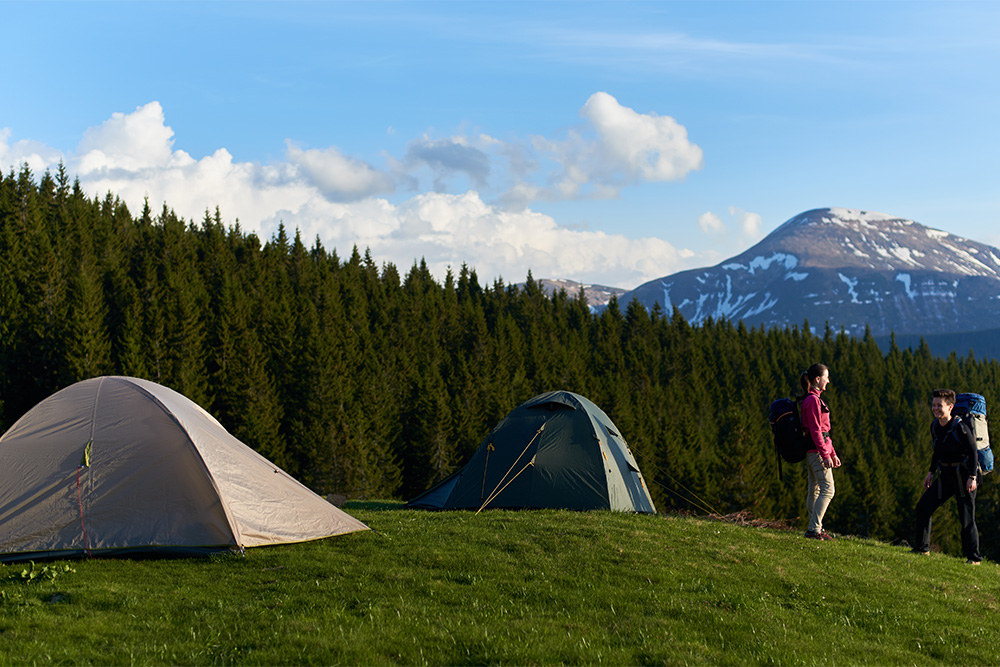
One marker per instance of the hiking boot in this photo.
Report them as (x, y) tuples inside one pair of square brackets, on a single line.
[(823, 535), (813, 535), (973, 562), (919, 552)]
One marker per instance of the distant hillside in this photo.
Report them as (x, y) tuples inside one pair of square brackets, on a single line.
[(984, 344), (597, 296)]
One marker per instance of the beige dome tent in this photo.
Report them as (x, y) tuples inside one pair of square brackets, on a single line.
[(120, 465)]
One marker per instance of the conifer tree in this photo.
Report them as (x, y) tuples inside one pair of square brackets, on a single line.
[(88, 348)]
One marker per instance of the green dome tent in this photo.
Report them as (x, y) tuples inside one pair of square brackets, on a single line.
[(117, 465), (557, 450)]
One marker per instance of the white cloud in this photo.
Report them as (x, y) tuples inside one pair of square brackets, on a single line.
[(618, 147), (132, 156), (751, 224), (502, 242), (710, 223), (448, 230), (32, 153), (644, 147), (130, 142), (334, 197), (339, 177)]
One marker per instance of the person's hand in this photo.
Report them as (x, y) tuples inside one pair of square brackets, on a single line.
[(970, 484), (836, 461), (828, 463), (928, 480)]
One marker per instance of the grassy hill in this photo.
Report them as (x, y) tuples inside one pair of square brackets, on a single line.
[(525, 588)]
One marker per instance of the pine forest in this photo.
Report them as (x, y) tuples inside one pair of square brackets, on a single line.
[(364, 380)]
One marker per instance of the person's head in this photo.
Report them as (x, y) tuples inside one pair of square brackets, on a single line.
[(942, 401), (816, 376)]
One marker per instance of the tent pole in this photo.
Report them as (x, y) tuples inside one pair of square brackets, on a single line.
[(489, 448)]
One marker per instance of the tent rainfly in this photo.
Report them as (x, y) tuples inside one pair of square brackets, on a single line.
[(556, 450), (116, 465)]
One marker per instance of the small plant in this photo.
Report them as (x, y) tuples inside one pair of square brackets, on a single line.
[(46, 572)]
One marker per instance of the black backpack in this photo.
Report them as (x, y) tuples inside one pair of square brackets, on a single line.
[(791, 441)]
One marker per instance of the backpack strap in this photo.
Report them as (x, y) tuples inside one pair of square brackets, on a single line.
[(958, 424)]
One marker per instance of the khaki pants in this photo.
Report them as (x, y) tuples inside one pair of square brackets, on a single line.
[(819, 491)]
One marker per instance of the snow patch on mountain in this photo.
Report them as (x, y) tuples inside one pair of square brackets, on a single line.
[(764, 263), (905, 279), (765, 305), (905, 255), (851, 287), (967, 256), (789, 261), (728, 306), (868, 219), (938, 289), (665, 301)]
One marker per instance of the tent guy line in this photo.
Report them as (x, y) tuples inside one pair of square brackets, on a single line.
[(496, 492)]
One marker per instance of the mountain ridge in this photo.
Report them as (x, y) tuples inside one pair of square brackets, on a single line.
[(850, 268), (597, 296)]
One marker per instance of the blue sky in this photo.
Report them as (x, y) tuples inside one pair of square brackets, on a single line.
[(610, 142)]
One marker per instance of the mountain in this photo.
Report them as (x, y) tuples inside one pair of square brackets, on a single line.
[(849, 268), (597, 296), (984, 344)]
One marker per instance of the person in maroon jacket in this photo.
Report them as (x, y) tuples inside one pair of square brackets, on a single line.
[(822, 458), (956, 464)]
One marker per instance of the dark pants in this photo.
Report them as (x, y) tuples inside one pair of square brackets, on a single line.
[(951, 482)]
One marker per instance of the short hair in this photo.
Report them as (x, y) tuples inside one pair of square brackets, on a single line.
[(945, 394)]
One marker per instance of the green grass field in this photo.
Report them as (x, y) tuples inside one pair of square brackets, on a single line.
[(513, 588)]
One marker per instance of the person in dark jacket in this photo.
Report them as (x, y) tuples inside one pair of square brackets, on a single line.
[(956, 464)]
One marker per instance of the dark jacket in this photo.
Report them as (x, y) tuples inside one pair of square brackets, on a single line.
[(954, 445)]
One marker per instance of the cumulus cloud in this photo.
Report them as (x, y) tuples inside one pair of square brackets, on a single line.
[(710, 223), (643, 147), (32, 153), (339, 177), (750, 223), (617, 148), (448, 230), (130, 142), (340, 200)]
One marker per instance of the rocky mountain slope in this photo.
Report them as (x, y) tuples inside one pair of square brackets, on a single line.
[(847, 267), (597, 296)]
